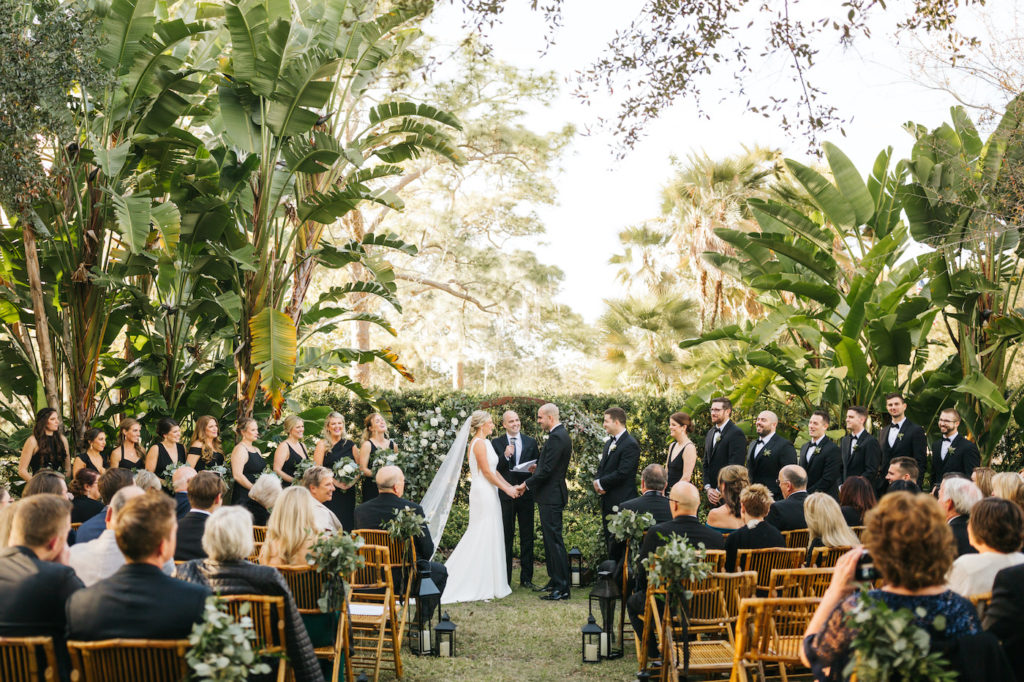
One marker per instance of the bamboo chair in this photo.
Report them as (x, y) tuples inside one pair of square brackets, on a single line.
[(403, 568), (827, 557), (267, 614), (27, 659), (373, 614), (129, 660), (76, 526), (306, 583), (981, 601), (259, 534), (765, 560), (771, 631), (255, 556), (797, 539), (858, 531), (799, 582)]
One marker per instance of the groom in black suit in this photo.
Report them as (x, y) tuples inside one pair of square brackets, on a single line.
[(725, 444), (549, 490), (515, 448), (616, 472)]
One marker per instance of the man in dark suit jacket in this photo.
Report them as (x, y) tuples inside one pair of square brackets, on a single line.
[(1004, 616), (652, 501), (549, 490), (377, 511), (179, 481), (952, 454), (139, 601), (616, 472), (820, 457), (205, 494), (901, 438), (34, 587), (516, 448), (859, 449), (956, 497), (724, 444), (684, 499), (769, 453), (788, 513)]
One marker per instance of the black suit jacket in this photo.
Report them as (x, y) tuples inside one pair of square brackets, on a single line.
[(862, 460), (824, 469), (183, 505), (658, 535), (33, 593), (616, 472), (776, 453), (139, 601), (190, 537), (548, 480), (788, 514), (963, 457), (958, 524), (375, 512), (1004, 616), (652, 502), (528, 453), (913, 444), (761, 536), (731, 449)]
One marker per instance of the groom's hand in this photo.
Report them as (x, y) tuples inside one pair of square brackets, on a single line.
[(533, 467)]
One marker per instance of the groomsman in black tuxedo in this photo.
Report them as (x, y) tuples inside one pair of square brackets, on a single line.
[(769, 453), (861, 452), (515, 448), (724, 444), (820, 457), (901, 438), (952, 454), (616, 472)]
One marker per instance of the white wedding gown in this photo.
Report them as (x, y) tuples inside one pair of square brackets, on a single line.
[(476, 569)]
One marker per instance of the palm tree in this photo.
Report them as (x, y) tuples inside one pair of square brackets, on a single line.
[(641, 338)]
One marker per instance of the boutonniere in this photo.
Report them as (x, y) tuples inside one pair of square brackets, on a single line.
[(767, 452), (855, 443), (612, 448), (899, 436), (951, 450), (817, 449)]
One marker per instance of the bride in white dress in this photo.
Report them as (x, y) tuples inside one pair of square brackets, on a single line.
[(476, 569)]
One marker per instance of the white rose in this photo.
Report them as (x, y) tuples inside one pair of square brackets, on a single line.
[(423, 441), (434, 446), (455, 421), (433, 421), (462, 413), (437, 410)]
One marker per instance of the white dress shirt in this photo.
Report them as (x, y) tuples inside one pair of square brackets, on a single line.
[(101, 558), (324, 518), (974, 573)]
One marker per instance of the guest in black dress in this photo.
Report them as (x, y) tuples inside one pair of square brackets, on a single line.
[(159, 456), (246, 461), (85, 488), (333, 448), (262, 498), (206, 450), (93, 458), (291, 452), (126, 455), (856, 498), (46, 448), (374, 438), (682, 453)]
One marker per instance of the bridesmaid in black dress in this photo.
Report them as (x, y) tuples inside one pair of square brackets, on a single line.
[(682, 453), (46, 448), (332, 448), (246, 461), (291, 452), (127, 455), (92, 458), (374, 438), (168, 450), (206, 450)]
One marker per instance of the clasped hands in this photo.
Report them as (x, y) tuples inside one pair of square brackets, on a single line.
[(517, 490)]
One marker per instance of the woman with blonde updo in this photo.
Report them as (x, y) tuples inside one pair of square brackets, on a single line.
[(292, 451), (374, 438), (247, 462), (731, 482), (126, 455)]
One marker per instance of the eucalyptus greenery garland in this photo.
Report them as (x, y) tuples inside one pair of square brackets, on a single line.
[(221, 648), (335, 554)]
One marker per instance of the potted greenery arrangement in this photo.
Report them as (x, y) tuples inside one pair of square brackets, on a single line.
[(628, 526), (221, 648), (336, 555)]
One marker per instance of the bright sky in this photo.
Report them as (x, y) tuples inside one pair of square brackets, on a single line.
[(600, 195)]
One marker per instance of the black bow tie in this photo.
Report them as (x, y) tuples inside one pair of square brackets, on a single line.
[(760, 442)]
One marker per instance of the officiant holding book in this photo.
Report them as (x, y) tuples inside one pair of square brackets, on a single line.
[(516, 451)]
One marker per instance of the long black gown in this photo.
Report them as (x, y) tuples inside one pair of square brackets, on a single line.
[(55, 456), (254, 466), (293, 461), (369, 484), (342, 502)]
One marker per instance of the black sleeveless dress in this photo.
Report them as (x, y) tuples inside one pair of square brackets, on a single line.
[(130, 465), (54, 458), (342, 502), (293, 461), (163, 458), (201, 464), (675, 467), (369, 484), (251, 471), (88, 462)]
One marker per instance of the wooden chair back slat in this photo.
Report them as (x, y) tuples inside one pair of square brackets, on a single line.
[(799, 582), (858, 531), (763, 561), (267, 615), (27, 659), (797, 539), (827, 557), (255, 556), (259, 534), (771, 630), (129, 660), (981, 601), (306, 583)]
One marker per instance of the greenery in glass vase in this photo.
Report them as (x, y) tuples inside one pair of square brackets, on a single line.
[(628, 526), (221, 648), (889, 644), (337, 555), (405, 524)]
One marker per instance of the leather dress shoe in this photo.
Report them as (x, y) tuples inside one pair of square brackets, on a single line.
[(555, 596), (546, 588), (531, 586)]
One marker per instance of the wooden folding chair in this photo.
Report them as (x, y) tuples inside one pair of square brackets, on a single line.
[(255, 556), (763, 561), (403, 568), (981, 601), (27, 659), (306, 583), (827, 557), (259, 534), (797, 539), (858, 531), (715, 557), (267, 614), (373, 614), (799, 582), (771, 630), (129, 660)]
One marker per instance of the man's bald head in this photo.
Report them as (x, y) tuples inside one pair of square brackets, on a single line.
[(549, 409), (181, 477), (390, 478), (685, 498), (766, 423)]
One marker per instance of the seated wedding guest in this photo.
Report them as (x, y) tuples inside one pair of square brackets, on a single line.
[(982, 477), (6, 521), (912, 549), (35, 581), (139, 601), (826, 525), (110, 482), (904, 486), (179, 481), (47, 482), (262, 498), (1008, 486), (684, 499), (996, 530), (651, 501), (205, 495), (856, 498), (100, 558), (788, 513), (902, 469), (291, 530), (227, 542), (149, 481), (319, 481), (85, 493), (1004, 616), (731, 482), (755, 501), (957, 496)]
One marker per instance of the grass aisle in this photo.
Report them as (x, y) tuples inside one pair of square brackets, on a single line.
[(518, 638)]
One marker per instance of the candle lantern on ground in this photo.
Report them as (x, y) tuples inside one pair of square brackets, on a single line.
[(591, 641), (444, 637), (604, 602), (428, 598), (576, 566)]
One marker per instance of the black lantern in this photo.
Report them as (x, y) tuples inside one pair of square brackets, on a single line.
[(605, 597), (576, 566), (444, 637), (428, 597), (591, 641)]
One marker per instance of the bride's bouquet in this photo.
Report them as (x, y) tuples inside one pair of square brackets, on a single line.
[(346, 471)]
